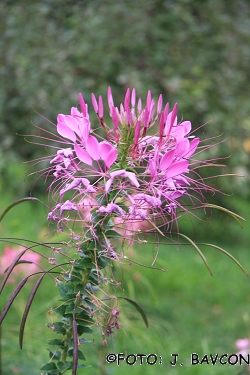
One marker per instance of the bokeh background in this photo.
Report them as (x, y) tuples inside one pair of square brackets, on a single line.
[(195, 53)]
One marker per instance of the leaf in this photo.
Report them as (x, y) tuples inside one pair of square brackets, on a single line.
[(58, 327), (112, 234), (65, 290), (80, 354), (198, 250), (101, 262), (64, 366), (228, 254), (71, 308), (84, 322), (85, 263), (82, 329), (56, 342), (55, 355), (27, 309), (49, 367), (12, 298), (138, 308), (60, 309), (84, 341)]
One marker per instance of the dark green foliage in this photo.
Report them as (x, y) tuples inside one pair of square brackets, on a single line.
[(195, 53)]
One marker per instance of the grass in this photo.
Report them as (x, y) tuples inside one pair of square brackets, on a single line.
[(189, 311)]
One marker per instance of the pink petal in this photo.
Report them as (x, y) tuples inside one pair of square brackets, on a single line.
[(110, 99), (108, 184), (152, 168), (167, 160), (148, 102), (92, 147), (100, 107), (71, 122), (84, 129), (162, 125), (192, 147), (137, 132), (176, 194), (139, 106), (83, 155), (177, 168), (94, 103), (127, 99), (74, 112), (133, 98), (159, 105), (242, 344), (111, 157), (182, 130), (132, 177), (117, 173), (174, 116), (65, 132), (182, 148), (83, 105), (104, 148), (115, 117)]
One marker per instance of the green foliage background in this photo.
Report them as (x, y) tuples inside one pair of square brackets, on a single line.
[(196, 53)]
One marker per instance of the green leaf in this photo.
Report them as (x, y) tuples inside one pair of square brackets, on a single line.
[(84, 263), (76, 277), (80, 354), (49, 367), (64, 366), (82, 329), (102, 262), (60, 309), (84, 321), (55, 355), (58, 327), (57, 342), (65, 291), (84, 341), (94, 278), (70, 309), (112, 234)]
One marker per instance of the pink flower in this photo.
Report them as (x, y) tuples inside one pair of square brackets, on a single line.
[(152, 168), (242, 344)]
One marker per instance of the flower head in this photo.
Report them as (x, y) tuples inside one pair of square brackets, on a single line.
[(135, 174)]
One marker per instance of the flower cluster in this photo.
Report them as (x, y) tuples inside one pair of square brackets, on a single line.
[(133, 175)]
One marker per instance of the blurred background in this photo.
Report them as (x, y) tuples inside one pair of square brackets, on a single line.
[(195, 53)]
